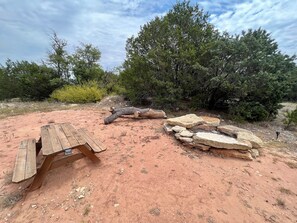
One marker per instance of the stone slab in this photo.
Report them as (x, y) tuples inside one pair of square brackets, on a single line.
[(178, 129), (232, 153), (187, 121), (211, 121), (220, 141), (186, 133), (253, 139)]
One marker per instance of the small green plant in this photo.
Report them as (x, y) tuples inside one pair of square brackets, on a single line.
[(88, 92), (290, 118)]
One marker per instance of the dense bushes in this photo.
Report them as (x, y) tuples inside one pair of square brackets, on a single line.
[(182, 57), (27, 80), (89, 92)]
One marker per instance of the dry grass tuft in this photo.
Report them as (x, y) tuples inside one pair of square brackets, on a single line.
[(285, 191), (292, 165), (280, 202), (11, 199)]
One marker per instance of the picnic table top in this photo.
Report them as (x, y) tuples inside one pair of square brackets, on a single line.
[(56, 138)]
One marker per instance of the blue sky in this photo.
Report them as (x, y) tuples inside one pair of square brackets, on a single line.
[(25, 26)]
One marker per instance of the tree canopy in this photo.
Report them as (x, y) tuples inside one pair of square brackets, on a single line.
[(181, 56)]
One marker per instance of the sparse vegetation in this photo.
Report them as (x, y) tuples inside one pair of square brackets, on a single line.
[(285, 191), (20, 108), (280, 202), (11, 199), (290, 118)]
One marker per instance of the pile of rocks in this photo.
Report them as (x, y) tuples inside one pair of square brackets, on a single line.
[(206, 133)]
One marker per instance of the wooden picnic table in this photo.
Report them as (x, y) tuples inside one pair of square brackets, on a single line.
[(60, 144)]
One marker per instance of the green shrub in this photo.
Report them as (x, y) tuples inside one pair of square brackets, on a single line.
[(88, 92), (290, 118), (250, 111)]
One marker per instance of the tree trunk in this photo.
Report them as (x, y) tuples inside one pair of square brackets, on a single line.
[(137, 112)]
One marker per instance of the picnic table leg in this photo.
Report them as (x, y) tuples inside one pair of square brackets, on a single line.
[(41, 173), (88, 153), (38, 146)]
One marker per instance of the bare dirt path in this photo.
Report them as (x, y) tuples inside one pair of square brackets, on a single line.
[(145, 176)]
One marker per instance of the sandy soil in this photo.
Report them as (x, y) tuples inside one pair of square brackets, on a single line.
[(144, 176)]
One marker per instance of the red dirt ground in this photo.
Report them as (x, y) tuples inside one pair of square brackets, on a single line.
[(144, 176)]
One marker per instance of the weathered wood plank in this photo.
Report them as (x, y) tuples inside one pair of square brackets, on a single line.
[(20, 163), (63, 138), (78, 137), (70, 137), (96, 145), (30, 159), (47, 147), (56, 144)]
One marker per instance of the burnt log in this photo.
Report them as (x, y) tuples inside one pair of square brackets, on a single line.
[(136, 112)]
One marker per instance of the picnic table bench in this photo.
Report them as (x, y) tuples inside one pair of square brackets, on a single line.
[(60, 144)]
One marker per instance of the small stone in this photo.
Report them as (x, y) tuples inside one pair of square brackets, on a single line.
[(155, 211), (177, 135), (116, 205), (202, 147), (186, 133), (178, 129), (186, 139), (66, 208), (121, 171), (167, 128), (81, 196), (34, 206), (255, 153)]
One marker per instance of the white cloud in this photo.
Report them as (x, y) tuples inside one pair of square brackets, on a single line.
[(25, 25), (277, 17)]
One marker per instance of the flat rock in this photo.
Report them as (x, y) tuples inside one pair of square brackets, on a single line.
[(178, 128), (255, 153), (177, 135), (231, 130), (186, 133), (187, 121), (202, 147), (168, 129), (232, 153), (253, 139), (211, 121), (204, 127), (220, 141), (186, 139)]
